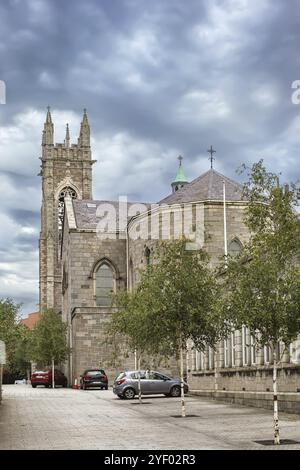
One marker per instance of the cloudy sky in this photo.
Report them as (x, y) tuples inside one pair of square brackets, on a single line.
[(159, 78)]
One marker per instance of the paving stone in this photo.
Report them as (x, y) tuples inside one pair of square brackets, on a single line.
[(95, 419)]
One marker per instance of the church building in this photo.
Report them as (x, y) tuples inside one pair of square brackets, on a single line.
[(89, 248)]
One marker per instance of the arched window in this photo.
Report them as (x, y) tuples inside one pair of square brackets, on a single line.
[(234, 247), (131, 278), (147, 255), (67, 191), (105, 284)]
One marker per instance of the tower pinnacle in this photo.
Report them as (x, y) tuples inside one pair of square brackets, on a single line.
[(84, 136), (48, 129), (67, 139)]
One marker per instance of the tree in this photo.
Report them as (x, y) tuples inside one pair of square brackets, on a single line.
[(128, 329), (11, 330), (261, 287), (49, 340), (20, 363), (173, 303)]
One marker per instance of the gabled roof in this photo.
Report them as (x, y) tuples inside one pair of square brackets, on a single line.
[(86, 215), (208, 186)]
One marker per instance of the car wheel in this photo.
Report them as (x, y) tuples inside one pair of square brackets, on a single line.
[(175, 391), (129, 393), (33, 385)]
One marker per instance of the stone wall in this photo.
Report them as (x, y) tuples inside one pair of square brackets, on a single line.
[(91, 345), (82, 250), (254, 379)]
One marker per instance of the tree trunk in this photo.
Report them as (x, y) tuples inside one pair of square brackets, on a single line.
[(139, 380), (183, 414), (275, 399), (187, 362), (216, 374), (53, 379)]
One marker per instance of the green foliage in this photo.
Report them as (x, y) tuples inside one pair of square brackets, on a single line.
[(262, 285), (10, 327), (172, 303), (49, 339), (20, 363)]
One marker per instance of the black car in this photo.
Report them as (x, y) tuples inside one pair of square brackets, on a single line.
[(92, 378)]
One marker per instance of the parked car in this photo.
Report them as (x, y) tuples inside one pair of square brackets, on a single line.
[(45, 378), (92, 378), (152, 383)]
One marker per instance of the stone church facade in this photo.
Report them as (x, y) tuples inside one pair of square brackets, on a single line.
[(90, 247)]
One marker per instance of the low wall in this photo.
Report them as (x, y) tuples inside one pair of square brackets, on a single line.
[(248, 379), (287, 402)]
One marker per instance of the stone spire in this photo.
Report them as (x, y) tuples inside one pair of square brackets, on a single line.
[(180, 179), (84, 136), (67, 139), (48, 129)]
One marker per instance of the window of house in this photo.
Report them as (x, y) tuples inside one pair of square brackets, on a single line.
[(104, 284), (294, 352), (234, 247), (226, 353), (253, 350), (245, 346), (267, 354), (233, 348), (211, 358)]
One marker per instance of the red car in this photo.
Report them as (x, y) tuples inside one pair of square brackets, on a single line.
[(45, 378)]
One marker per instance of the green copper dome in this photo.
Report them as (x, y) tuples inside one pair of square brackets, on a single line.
[(180, 176), (180, 179)]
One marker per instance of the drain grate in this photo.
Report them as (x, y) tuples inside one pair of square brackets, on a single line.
[(188, 416), (270, 442)]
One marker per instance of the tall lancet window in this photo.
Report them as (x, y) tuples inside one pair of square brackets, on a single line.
[(105, 284), (67, 191)]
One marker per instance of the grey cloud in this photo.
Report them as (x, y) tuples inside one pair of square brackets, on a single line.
[(168, 77)]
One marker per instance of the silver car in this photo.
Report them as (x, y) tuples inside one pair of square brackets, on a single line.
[(152, 383)]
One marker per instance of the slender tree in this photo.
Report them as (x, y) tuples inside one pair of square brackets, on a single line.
[(49, 340), (173, 303), (261, 287), (127, 330)]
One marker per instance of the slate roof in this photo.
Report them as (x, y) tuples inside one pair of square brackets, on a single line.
[(85, 212), (208, 186)]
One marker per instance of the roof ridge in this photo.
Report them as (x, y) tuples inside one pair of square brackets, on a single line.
[(236, 183), (208, 186)]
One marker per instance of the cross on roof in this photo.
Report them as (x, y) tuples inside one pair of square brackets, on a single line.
[(211, 158), (180, 158)]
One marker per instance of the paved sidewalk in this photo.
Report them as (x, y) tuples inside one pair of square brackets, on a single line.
[(75, 419)]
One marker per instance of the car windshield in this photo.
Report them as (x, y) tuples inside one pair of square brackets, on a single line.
[(94, 373)]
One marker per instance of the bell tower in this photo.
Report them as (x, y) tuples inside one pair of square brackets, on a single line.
[(66, 169)]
